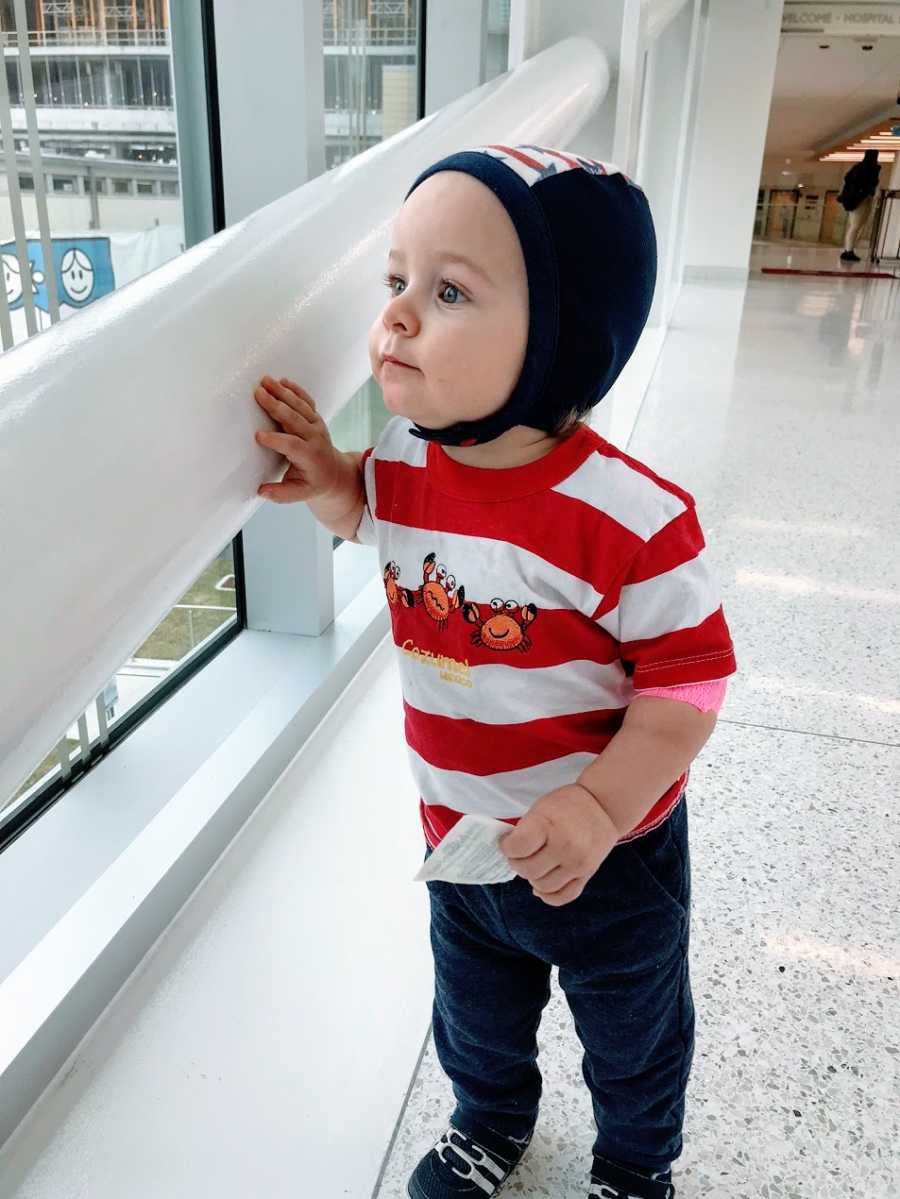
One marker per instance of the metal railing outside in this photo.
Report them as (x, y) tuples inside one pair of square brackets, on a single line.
[(777, 221), (885, 240), (361, 31), (119, 38)]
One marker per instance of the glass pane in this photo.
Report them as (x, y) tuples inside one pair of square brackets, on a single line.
[(371, 92), (115, 212), (361, 421), (108, 233), (497, 54), (206, 609)]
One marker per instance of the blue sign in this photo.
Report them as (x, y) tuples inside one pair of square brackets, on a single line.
[(82, 266)]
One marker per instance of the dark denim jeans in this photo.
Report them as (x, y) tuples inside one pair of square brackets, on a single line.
[(622, 953)]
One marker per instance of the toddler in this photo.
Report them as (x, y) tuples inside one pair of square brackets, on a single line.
[(562, 645)]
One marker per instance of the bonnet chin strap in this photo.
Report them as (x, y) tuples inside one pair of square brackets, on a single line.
[(477, 432)]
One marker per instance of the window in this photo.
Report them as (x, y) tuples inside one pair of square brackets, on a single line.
[(373, 84), (13, 82), (372, 88), (106, 74)]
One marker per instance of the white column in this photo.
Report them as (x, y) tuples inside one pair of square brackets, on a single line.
[(669, 105), (455, 51), (271, 99), (192, 120), (524, 19), (740, 55), (602, 21), (271, 105)]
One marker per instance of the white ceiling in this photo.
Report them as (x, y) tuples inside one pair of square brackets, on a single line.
[(818, 94)]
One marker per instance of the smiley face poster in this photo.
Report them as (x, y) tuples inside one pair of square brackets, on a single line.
[(82, 266)]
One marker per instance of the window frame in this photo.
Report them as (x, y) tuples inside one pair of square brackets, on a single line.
[(22, 815)]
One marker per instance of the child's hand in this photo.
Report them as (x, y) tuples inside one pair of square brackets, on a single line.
[(560, 844), (304, 440)]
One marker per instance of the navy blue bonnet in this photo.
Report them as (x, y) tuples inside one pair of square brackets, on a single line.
[(590, 253)]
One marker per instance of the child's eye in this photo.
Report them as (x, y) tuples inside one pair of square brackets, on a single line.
[(390, 280), (447, 283)]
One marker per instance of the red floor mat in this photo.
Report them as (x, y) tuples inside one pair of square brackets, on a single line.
[(783, 270)]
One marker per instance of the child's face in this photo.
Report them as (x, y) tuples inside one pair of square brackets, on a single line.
[(466, 341)]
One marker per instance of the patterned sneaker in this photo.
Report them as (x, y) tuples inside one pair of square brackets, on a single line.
[(459, 1166), (611, 1180)]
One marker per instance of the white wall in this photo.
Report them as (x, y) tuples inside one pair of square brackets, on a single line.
[(67, 214), (668, 111), (825, 176), (550, 23), (739, 59)]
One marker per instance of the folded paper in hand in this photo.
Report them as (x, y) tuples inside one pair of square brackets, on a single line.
[(470, 854)]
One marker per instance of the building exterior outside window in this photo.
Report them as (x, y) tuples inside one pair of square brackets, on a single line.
[(372, 66), (105, 114)]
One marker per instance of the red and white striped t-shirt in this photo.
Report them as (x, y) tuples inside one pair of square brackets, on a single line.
[(529, 606)]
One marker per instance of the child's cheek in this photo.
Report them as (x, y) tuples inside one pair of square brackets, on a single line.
[(375, 347)]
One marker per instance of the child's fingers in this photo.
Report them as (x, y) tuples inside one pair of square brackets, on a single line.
[(298, 391), (291, 395), (284, 493), (284, 443), (286, 414)]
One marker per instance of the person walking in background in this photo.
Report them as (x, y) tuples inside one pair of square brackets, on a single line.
[(860, 185)]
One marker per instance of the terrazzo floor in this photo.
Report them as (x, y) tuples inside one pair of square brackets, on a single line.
[(814, 256), (778, 407)]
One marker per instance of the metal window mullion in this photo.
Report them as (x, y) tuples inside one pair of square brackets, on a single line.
[(101, 720), (34, 143), (62, 756), (84, 737), (6, 332), (15, 203)]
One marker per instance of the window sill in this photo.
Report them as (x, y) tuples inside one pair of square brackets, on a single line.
[(168, 800)]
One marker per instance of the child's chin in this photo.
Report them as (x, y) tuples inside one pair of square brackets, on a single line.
[(396, 403)]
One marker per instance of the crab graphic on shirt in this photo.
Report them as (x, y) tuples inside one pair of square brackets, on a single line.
[(505, 628), (439, 595), (395, 593)]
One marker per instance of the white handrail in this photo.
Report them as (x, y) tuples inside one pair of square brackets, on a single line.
[(127, 457)]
